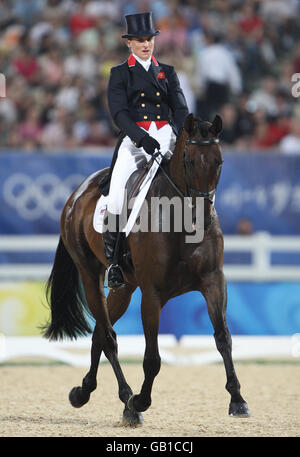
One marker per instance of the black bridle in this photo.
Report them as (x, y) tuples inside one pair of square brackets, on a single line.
[(203, 142), (206, 195)]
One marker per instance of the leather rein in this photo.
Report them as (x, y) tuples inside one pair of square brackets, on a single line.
[(206, 195)]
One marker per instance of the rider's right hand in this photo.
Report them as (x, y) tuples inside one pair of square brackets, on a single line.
[(150, 144)]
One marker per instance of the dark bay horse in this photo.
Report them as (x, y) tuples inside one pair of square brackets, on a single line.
[(162, 264)]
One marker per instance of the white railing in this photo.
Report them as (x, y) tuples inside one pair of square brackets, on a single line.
[(27, 243), (189, 350), (260, 246)]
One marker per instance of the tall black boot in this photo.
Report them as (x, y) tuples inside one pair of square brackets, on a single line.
[(111, 241)]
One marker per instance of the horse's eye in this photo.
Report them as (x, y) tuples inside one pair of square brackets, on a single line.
[(219, 163)]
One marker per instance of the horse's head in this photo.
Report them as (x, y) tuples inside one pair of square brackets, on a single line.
[(202, 157)]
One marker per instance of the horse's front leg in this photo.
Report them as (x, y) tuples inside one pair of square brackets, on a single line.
[(151, 308), (213, 287)]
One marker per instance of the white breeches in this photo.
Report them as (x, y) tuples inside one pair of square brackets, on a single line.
[(131, 158)]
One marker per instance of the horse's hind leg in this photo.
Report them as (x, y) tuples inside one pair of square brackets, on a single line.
[(80, 395), (213, 288), (104, 337), (117, 304)]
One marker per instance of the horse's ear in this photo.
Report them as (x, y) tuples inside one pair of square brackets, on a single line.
[(216, 126), (189, 124)]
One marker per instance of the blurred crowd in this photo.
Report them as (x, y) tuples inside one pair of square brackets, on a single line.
[(234, 57)]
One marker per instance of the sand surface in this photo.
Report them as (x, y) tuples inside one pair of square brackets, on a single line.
[(186, 402)]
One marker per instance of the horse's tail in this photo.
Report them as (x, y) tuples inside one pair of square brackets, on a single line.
[(65, 298)]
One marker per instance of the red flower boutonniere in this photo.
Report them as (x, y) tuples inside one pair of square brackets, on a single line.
[(161, 75)]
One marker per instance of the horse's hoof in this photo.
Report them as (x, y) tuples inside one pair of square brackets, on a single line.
[(132, 419), (134, 404), (239, 410), (78, 397)]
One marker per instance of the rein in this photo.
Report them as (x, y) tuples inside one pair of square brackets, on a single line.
[(206, 195)]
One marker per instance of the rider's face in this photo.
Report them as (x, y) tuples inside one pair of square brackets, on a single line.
[(142, 46)]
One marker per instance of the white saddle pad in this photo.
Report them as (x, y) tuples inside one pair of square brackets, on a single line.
[(98, 220)]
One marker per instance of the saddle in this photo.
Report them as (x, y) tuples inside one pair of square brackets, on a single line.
[(134, 182), (133, 186)]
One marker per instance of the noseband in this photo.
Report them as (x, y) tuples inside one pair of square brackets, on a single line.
[(206, 195)]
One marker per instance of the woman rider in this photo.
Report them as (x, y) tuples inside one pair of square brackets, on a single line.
[(147, 103)]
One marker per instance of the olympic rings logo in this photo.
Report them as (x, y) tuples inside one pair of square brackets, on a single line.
[(45, 195)]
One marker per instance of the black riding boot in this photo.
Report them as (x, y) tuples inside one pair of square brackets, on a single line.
[(111, 241)]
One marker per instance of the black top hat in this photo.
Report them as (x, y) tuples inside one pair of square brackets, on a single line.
[(139, 25)]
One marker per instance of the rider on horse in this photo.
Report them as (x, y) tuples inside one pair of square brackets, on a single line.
[(147, 103)]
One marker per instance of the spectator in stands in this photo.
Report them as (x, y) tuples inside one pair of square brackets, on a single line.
[(244, 226), (26, 65), (290, 144), (80, 20), (68, 95), (98, 135), (228, 135), (251, 24), (54, 134), (51, 65), (264, 97), (244, 122), (174, 34), (219, 76), (81, 63), (296, 59), (31, 129), (44, 43), (269, 133), (26, 11)]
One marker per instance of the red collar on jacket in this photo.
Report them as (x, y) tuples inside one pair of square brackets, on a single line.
[(132, 60)]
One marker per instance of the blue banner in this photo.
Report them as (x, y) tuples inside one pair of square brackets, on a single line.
[(34, 189), (253, 309), (265, 188)]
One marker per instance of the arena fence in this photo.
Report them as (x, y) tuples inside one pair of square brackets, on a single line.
[(189, 350), (259, 246)]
